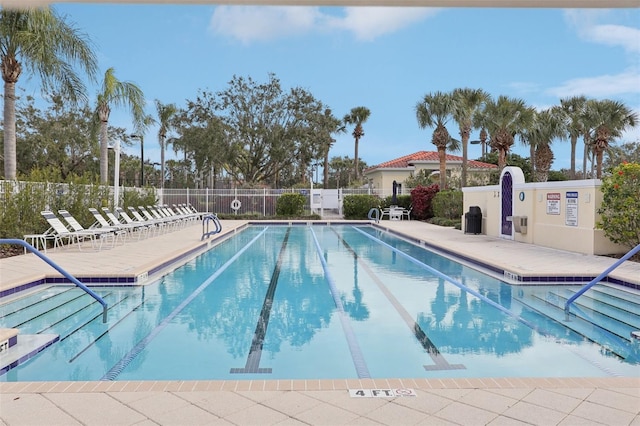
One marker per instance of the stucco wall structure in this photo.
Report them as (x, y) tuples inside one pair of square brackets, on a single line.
[(560, 215)]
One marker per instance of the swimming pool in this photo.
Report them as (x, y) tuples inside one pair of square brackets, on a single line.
[(307, 302)]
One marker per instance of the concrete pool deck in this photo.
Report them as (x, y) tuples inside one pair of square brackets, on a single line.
[(495, 401)]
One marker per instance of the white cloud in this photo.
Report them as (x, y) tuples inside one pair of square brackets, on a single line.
[(368, 23), (601, 86), (263, 23), (251, 23), (617, 35), (585, 22)]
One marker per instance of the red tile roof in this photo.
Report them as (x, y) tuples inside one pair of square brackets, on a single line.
[(429, 156)]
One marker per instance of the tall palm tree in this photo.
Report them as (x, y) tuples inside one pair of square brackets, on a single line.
[(435, 109), (357, 116), (546, 126), (573, 109), (466, 102), (588, 130), (45, 44), (117, 93), (610, 118), (330, 126), (165, 114), (505, 118)]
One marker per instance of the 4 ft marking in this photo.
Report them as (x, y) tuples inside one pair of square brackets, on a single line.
[(381, 393)]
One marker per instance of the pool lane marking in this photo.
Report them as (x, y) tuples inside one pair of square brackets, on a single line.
[(113, 373), (105, 332), (454, 282), (356, 353), (255, 352), (439, 361)]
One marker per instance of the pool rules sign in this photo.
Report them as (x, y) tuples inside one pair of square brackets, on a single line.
[(571, 212)]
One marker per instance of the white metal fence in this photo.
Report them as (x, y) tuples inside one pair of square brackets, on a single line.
[(260, 202), (247, 201)]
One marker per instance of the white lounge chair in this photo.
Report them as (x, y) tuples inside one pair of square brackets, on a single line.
[(62, 233), (160, 225), (145, 225), (96, 233), (131, 227), (102, 223)]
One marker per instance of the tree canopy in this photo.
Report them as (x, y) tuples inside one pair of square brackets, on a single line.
[(258, 132)]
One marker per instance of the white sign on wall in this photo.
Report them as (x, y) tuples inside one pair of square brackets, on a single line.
[(553, 202), (571, 215)]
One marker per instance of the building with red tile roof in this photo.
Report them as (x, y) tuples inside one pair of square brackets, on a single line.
[(382, 175)]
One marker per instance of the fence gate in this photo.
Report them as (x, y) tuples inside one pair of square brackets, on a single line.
[(326, 202)]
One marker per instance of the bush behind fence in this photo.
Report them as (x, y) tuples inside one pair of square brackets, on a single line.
[(22, 202)]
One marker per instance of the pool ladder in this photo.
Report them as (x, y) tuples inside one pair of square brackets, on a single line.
[(67, 275), (206, 220), (374, 214)]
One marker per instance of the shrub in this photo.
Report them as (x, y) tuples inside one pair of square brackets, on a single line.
[(358, 206), (448, 204), (139, 197), (421, 198), (290, 205), (620, 207), (20, 210), (443, 221)]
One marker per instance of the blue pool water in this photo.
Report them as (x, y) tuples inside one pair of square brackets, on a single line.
[(307, 302)]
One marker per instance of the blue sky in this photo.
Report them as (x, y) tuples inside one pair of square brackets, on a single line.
[(386, 59)]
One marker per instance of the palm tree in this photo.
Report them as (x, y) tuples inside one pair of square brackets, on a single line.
[(506, 118), (545, 127), (165, 114), (435, 110), (357, 116), (466, 102), (330, 125), (573, 109), (117, 93), (610, 119), (45, 44), (588, 130)]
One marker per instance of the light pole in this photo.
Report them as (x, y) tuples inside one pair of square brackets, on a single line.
[(141, 157), (483, 146), (316, 167), (116, 174)]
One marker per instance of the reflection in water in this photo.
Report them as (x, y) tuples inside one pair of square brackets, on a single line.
[(355, 307), (452, 322), (230, 308), (444, 318)]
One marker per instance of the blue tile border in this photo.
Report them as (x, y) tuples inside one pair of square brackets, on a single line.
[(26, 357), (111, 281), (170, 262), (568, 280)]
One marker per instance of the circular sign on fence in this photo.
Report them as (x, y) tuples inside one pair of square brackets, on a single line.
[(236, 204)]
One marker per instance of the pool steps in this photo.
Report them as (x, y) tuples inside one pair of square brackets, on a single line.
[(54, 313), (603, 303)]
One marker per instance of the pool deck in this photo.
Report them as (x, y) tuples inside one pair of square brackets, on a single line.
[(486, 401)]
